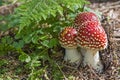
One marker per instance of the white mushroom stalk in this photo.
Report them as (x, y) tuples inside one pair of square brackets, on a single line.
[(92, 38), (72, 55), (92, 58), (67, 41)]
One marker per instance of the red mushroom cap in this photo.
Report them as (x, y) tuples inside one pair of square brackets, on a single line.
[(85, 16), (67, 37), (92, 35)]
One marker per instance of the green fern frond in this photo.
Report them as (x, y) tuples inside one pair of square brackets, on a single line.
[(34, 13), (38, 10)]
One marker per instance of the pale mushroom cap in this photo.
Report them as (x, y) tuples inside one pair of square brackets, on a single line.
[(92, 35), (67, 37)]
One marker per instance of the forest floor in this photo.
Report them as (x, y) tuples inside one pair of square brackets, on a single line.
[(110, 57), (110, 20)]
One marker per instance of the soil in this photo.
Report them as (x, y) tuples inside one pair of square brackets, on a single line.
[(110, 57)]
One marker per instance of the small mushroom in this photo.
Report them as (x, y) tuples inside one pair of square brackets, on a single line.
[(67, 41), (92, 38)]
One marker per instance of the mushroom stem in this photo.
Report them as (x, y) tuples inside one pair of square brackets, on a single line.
[(72, 55), (91, 57)]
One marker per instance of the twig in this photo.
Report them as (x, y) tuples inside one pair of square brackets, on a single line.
[(115, 3), (118, 55), (109, 7), (118, 20), (62, 72), (70, 67), (81, 75), (94, 72), (47, 78)]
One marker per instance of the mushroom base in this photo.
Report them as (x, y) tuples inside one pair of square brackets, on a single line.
[(72, 55), (91, 57)]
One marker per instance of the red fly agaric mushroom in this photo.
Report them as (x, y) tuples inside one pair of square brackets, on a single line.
[(83, 17), (67, 41), (92, 38)]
